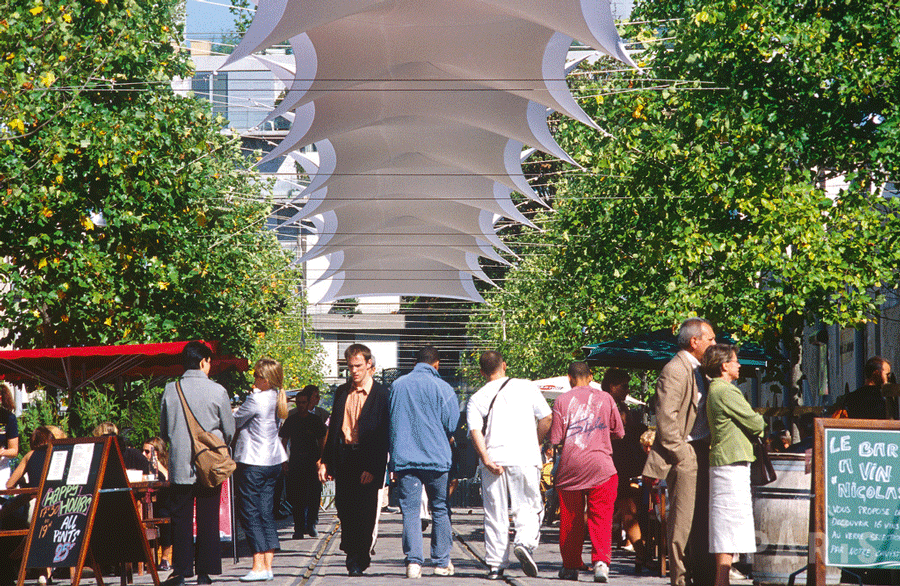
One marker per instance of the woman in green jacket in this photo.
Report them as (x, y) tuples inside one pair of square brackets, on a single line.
[(731, 421)]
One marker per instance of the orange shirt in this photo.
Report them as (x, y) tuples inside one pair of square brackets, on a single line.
[(356, 398)]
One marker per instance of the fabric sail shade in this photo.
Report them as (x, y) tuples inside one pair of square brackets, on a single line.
[(421, 112)]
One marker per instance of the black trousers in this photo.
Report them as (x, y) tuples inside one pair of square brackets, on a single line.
[(208, 556), (357, 505), (304, 492)]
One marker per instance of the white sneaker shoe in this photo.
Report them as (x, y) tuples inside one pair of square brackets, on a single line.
[(413, 571), (448, 571), (601, 572)]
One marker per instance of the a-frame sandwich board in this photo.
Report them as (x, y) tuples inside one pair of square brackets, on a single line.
[(85, 511)]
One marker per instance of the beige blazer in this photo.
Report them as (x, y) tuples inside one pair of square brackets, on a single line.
[(677, 399)]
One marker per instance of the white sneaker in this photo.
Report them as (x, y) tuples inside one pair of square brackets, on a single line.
[(735, 575), (413, 571), (448, 571), (601, 572)]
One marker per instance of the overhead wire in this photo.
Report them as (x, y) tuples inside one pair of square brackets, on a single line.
[(254, 108)]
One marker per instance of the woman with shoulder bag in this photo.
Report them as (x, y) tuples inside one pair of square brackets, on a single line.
[(731, 420), (259, 456)]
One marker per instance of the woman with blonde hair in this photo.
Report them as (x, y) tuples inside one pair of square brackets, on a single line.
[(731, 421), (259, 456), (133, 458)]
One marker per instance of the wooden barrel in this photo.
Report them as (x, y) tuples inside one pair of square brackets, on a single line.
[(781, 516)]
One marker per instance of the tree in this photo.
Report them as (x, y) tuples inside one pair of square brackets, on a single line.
[(291, 342), (126, 215), (706, 196)]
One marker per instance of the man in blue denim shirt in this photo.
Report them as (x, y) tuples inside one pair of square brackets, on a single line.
[(424, 412)]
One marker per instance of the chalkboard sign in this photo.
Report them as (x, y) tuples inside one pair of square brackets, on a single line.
[(65, 503), (857, 479), (85, 510)]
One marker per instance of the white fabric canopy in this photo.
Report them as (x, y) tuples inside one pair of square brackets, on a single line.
[(553, 387), (420, 111)]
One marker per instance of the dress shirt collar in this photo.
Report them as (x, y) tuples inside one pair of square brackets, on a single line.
[(366, 387), (695, 364)]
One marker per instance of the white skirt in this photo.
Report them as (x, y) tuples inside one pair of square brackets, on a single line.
[(731, 527)]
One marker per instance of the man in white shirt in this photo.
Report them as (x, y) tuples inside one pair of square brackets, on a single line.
[(508, 419)]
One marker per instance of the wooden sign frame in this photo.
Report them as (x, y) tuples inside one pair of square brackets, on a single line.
[(105, 530), (819, 518)]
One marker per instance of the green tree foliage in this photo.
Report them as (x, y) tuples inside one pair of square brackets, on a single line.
[(137, 416), (243, 15), (291, 342), (704, 195), (41, 411), (89, 125)]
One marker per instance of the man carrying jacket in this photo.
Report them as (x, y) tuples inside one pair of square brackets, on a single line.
[(424, 412)]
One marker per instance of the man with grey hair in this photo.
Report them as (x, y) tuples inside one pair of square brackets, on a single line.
[(680, 453)]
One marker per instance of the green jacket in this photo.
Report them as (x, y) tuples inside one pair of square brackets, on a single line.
[(731, 418)]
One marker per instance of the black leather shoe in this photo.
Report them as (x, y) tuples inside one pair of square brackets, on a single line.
[(354, 570), (173, 580), (204, 579), (568, 574), (312, 531)]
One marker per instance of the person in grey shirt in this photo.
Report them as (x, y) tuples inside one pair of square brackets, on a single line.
[(209, 403)]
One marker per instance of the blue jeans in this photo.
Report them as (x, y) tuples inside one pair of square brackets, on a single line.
[(256, 489), (409, 484)]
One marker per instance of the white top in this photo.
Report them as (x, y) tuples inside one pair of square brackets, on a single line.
[(511, 436), (257, 431)]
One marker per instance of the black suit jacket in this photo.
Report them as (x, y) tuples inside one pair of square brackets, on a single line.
[(374, 421), (866, 403)]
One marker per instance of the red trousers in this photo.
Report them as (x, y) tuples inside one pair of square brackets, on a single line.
[(600, 501)]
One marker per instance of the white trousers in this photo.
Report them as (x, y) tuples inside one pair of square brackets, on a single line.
[(520, 487), (382, 502)]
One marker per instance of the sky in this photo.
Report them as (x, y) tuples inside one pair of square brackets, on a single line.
[(210, 18), (207, 19)]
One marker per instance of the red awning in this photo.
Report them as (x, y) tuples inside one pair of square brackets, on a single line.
[(72, 369)]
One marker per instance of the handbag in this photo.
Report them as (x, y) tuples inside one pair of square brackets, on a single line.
[(761, 470), (211, 461)]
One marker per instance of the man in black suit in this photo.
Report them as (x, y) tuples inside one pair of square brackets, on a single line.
[(355, 455), (867, 402)]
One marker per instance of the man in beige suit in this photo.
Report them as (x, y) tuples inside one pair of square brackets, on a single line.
[(681, 448)]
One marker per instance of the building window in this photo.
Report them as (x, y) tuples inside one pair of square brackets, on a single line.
[(213, 88)]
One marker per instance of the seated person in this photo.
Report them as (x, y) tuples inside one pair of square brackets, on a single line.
[(28, 473), (155, 446), (629, 456), (133, 458), (548, 488), (15, 514)]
